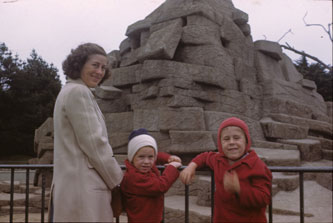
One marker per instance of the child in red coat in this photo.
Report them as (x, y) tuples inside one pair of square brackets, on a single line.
[(143, 187), (243, 181)]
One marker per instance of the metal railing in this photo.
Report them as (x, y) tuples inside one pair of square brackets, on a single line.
[(43, 167), (300, 171), (27, 167)]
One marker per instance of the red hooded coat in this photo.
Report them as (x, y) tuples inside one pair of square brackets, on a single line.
[(254, 177), (144, 192)]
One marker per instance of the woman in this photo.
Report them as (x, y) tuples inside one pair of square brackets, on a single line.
[(85, 170)]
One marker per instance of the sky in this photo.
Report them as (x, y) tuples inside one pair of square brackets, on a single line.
[(54, 27)]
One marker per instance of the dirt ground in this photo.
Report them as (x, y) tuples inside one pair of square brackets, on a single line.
[(33, 217), (36, 217)]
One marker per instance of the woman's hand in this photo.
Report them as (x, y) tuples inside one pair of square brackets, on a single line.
[(231, 182), (187, 175)]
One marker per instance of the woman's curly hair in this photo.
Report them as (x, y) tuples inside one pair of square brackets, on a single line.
[(75, 61)]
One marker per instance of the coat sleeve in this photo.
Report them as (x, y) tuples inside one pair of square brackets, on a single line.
[(162, 158), (91, 134), (257, 191), (205, 159)]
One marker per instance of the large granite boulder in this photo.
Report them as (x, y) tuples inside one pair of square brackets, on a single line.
[(192, 63)]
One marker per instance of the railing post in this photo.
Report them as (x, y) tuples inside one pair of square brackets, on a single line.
[(187, 204), (301, 196), (11, 212), (43, 195), (27, 182), (270, 208), (212, 194), (163, 214)]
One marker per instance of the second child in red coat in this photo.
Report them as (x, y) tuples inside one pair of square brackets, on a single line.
[(243, 181), (143, 187)]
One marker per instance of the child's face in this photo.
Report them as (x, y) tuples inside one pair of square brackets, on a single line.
[(233, 142), (144, 159)]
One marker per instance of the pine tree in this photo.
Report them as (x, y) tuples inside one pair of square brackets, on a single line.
[(317, 73), (28, 92)]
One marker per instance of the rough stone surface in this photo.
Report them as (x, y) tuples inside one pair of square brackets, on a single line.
[(5, 186), (125, 46), (208, 33), (191, 142), (124, 76), (310, 149), (45, 130), (182, 119), (285, 182), (107, 92), (268, 67), (204, 194), (316, 199), (327, 154), (174, 211), (162, 44), (272, 49), (289, 70), (111, 106), (279, 157), (214, 119), (278, 130), (240, 17), (320, 127), (145, 118), (114, 59), (118, 140), (137, 27), (309, 84), (119, 122), (324, 179)]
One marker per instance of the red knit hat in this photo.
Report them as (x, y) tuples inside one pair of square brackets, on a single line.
[(233, 121)]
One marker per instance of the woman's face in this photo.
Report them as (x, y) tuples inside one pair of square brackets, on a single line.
[(233, 142), (93, 70), (144, 159)]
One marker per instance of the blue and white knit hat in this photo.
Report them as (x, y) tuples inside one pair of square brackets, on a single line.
[(138, 139)]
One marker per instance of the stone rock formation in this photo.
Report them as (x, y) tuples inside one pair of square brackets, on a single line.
[(43, 147), (190, 64)]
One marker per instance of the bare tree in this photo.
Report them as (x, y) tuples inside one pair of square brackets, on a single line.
[(328, 30), (302, 53)]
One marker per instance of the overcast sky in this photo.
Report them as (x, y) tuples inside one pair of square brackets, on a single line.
[(54, 27)]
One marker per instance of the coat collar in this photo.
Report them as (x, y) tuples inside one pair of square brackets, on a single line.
[(250, 159), (131, 168), (76, 81)]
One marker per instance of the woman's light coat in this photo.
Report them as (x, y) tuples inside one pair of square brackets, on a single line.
[(85, 169)]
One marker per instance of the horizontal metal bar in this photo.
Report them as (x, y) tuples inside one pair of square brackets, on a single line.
[(25, 166), (300, 169), (282, 168), (272, 168)]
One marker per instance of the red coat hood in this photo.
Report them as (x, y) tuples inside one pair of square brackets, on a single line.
[(233, 121)]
